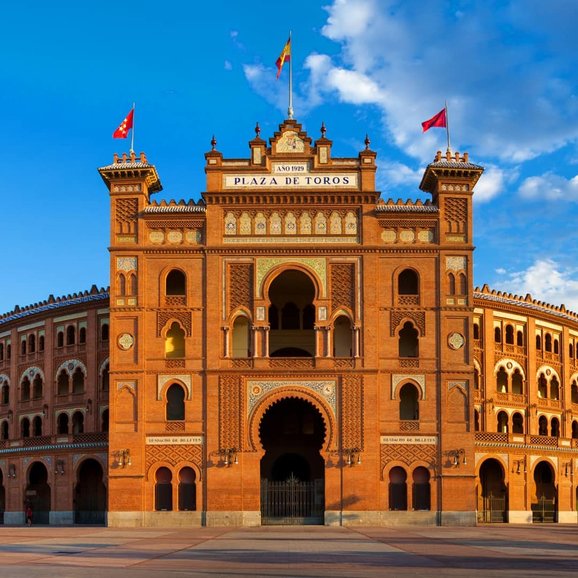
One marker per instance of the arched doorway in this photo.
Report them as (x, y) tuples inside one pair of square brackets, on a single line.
[(38, 493), (89, 494), (292, 315), (544, 497), (492, 504), (292, 470)]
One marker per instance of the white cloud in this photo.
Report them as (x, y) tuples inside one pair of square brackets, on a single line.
[(228, 65), (491, 184), (395, 174), (546, 281), (550, 186)]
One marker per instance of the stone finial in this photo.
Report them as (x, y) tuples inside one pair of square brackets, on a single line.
[(213, 143), (323, 130), (367, 142), (257, 130)]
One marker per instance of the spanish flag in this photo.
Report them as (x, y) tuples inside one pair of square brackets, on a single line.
[(285, 55)]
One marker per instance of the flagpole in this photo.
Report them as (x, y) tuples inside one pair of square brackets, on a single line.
[(290, 109), (448, 126), (132, 134)]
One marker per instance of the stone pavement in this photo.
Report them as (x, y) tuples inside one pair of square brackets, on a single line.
[(313, 551)]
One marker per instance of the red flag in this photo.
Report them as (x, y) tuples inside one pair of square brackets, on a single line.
[(438, 120), (125, 126), (285, 55)]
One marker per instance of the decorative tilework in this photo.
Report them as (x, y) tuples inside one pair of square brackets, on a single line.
[(265, 264)]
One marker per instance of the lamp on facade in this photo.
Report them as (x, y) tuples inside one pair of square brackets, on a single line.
[(122, 458), (12, 471), (59, 467), (89, 406), (10, 415), (228, 456), (520, 465), (457, 457), (352, 456), (45, 410)]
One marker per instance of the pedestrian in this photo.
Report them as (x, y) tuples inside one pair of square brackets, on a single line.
[(28, 515)]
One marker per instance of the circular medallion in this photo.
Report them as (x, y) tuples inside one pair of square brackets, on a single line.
[(456, 340), (125, 341)]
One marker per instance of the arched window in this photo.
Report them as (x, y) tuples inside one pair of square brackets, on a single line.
[(241, 337), (37, 387), (60, 339), (78, 381), (397, 489), (104, 332), (25, 428), (476, 378), (503, 422), (509, 334), (502, 380), (175, 342), (517, 382), (104, 421), (4, 431), (476, 331), (497, 335), (309, 316), (543, 426), (175, 410), (41, 343), (408, 402), (520, 338), (476, 420), (37, 426), (82, 335), (451, 284), (176, 283), (290, 316), (187, 490), (555, 427), (408, 282), (70, 335), (342, 337), (574, 392), (574, 429), (105, 378), (121, 285), (62, 423), (408, 341), (23, 347), (421, 489), (62, 383), (78, 422), (273, 317), (548, 342), (554, 388), (31, 343), (132, 284), (1, 352), (463, 285), (163, 490), (538, 342), (518, 423), (5, 397), (8, 351), (556, 346), (542, 387), (25, 390), (571, 350)]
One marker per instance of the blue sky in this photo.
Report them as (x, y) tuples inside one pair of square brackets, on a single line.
[(71, 71)]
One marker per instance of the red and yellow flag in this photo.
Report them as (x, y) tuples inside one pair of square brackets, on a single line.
[(285, 55)]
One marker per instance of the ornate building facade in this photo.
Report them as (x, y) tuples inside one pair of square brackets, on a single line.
[(290, 349)]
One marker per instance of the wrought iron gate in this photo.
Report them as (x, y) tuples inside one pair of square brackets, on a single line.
[(493, 509), (292, 502), (544, 510)]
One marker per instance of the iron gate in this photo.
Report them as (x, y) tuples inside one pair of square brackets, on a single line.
[(292, 502), (544, 510), (493, 509)]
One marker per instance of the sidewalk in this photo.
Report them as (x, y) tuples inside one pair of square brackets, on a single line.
[(314, 551)]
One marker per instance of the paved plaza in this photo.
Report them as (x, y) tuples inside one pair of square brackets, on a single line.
[(288, 551)]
